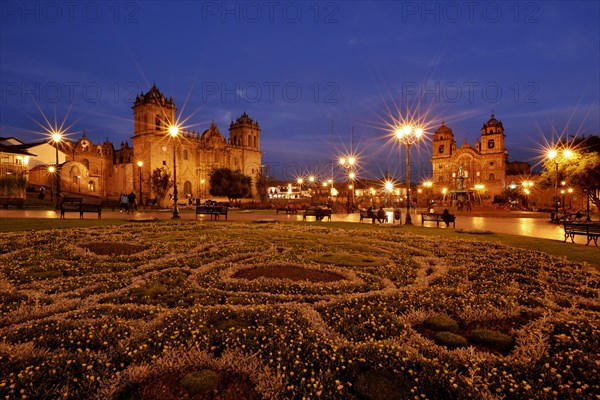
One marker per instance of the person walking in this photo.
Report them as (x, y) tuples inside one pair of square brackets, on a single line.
[(131, 201), (123, 202)]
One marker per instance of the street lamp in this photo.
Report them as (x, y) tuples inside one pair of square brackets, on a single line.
[(527, 185), (408, 135), (57, 138), (570, 190), (428, 185), (140, 164), (554, 156), (348, 164), (203, 182), (52, 170), (174, 132)]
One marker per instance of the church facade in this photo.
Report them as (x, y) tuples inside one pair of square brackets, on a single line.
[(483, 164), (106, 171)]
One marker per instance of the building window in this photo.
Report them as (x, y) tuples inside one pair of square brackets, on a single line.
[(491, 143), (164, 162), (157, 123), (491, 163), (491, 177), (441, 179), (185, 156), (441, 149)]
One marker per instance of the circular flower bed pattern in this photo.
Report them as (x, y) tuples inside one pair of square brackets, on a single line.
[(219, 310)]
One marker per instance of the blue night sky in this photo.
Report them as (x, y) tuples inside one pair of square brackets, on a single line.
[(309, 72)]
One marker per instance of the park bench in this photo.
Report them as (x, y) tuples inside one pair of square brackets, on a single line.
[(364, 214), (590, 231), (11, 201), (76, 204), (112, 204), (318, 213), (213, 211), (437, 218)]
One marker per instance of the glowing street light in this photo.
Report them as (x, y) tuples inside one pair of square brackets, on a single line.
[(174, 132), (553, 155), (52, 170), (140, 164), (570, 191), (57, 138), (408, 135), (527, 185)]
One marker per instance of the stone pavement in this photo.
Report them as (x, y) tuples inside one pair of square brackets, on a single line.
[(517, 223)]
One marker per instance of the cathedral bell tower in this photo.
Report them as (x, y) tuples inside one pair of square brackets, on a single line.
[(152, 113), (443, 146), (244, 132), (443, 142), (492, 137)]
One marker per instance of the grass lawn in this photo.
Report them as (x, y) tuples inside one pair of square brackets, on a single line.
[(220, 310)]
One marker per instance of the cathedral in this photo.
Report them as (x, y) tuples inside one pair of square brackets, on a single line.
[(483, 164), (102, 170)]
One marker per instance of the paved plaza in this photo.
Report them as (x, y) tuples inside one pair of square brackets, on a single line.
[(517, 223)]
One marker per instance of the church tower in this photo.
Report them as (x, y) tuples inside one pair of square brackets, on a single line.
[(153, 113), (492, 137), (443, 146), (244, 132)]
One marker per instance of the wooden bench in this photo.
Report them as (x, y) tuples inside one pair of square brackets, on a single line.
[(590, 231), (213, 211), (437, 218), (318, 213), (11, 201), (76, 204), (364, 214), (112, 204)]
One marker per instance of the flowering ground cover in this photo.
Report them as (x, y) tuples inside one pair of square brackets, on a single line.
[(290, 311)]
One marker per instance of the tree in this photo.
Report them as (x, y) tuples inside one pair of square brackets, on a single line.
[(231, 184), (582, 169), (161, 183), (261, 187)]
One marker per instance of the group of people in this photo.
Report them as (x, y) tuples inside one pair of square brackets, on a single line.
[(127, 203), (379, 216)]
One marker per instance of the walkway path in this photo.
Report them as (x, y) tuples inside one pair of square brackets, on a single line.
[(526, 224)]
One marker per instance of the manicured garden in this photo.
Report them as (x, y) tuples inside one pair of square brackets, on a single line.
[(205, 310)]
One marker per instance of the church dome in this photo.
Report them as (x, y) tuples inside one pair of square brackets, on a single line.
[(444, 130), (493, 122)]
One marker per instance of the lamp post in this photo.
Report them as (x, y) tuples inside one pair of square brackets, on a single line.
[(312, 189), (527, 185), (174, 132), (428, 185), (140, 164), (57, 138), (52, 170), (348, 164), (570, 191), (352, 177), (409, 136), (554, 156)]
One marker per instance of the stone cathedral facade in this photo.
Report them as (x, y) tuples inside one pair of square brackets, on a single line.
[(105, 171), (485, 163)]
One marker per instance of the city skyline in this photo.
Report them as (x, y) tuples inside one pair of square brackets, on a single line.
[(309, 73)]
